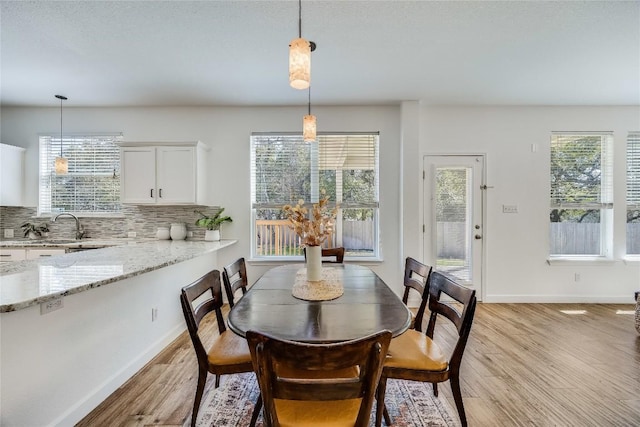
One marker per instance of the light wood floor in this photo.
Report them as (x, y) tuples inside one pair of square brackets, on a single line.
[(525, 365)]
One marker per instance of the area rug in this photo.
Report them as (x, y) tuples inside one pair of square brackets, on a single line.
[(410, 404)]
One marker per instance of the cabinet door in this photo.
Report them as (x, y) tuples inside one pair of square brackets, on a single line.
[(138, 175), (7, 255), (176, 178), (43, 253), (11, 175)]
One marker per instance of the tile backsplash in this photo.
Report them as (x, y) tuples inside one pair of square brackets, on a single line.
[(143, 220)]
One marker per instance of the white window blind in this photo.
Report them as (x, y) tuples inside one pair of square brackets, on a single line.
[(633, 170), (285, 169), (92, 184), (582, 171)]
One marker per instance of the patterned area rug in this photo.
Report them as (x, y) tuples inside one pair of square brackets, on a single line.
[(410, 404)]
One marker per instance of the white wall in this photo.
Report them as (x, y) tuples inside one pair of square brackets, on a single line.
[(517, 244), (226, 131), (59, 366)]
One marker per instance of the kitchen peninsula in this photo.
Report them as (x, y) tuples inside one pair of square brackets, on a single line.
[(75, 327)]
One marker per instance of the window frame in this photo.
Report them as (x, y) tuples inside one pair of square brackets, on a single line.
[(604, 205), (314, 172), (632, 180), (49, 148)]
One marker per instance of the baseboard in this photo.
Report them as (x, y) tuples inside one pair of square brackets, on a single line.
[(81, 409), (563, 299)]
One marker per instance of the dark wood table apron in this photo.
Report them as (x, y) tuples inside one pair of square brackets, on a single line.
[(368, 305)]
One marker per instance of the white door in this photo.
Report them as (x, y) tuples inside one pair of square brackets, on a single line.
[(453, 210)]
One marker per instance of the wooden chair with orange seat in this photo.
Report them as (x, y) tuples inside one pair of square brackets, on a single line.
[(229, 353), (416, 277), (318, 384), (415, 356), (234, 277)]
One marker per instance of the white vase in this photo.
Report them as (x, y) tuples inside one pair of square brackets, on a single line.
[(178, 231), (314, 263), (212, 235)]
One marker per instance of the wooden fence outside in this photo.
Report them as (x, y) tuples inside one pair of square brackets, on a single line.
[(274, 237)]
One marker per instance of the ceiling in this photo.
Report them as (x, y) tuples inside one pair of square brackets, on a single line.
[(235, 53)]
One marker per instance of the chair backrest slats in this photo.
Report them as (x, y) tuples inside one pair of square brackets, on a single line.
[(206, 294), (440, 284), (416, 276), (359, 363), (234, 277)]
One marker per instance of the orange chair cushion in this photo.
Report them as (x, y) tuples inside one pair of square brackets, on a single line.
[(328, 413), (229, 349), (415, 350)]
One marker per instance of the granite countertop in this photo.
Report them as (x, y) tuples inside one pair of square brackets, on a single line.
[(68, 243), (27, 283)]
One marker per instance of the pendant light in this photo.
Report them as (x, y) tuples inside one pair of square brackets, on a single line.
[(309, 124), (300, 57), (61, 164)]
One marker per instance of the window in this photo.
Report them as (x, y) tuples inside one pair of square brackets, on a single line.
[(581, 194), (633, 193), (92, 184), (285, 169)]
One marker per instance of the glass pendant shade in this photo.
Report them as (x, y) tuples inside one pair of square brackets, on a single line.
[(309, 128), (300, 63), (61, 165)]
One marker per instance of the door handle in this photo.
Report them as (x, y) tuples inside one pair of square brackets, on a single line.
[(477, 237)]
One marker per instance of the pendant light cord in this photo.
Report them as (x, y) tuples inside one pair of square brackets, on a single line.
[(309, 99), (60, 127), (61, 98), (299, 19)]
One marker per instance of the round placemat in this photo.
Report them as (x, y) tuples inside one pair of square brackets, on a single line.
[(326, 289)]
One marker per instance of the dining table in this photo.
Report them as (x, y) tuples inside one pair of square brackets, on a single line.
[(366, 306)]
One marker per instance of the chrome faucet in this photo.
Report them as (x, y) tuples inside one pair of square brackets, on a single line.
[(79, 229)]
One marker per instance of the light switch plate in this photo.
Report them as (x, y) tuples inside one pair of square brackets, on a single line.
[(8, 233)]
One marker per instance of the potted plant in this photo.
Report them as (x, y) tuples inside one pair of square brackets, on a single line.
[(212, 224), (32, 230)]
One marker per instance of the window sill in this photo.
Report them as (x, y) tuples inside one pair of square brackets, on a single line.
[(582, 260), (631, 259)]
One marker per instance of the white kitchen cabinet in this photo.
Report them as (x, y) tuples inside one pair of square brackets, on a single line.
[(165, 174), (32, 253), (20, 254), (11, 175), (7, 255)]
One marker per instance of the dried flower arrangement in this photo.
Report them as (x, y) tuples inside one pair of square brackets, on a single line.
[(315, 230)]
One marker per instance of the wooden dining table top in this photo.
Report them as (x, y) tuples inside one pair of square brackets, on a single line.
[(367, 306)]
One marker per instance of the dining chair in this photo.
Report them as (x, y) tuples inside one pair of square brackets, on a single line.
[(317, 384), (415, 356), (416, 277), (338, 253), (234, 277), (229, 353)]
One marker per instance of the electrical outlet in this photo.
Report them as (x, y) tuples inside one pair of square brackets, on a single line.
[(8, 233), (509, 208), (53, 305), (189, 233), (131, 234), (576, 277), (154, 314)]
